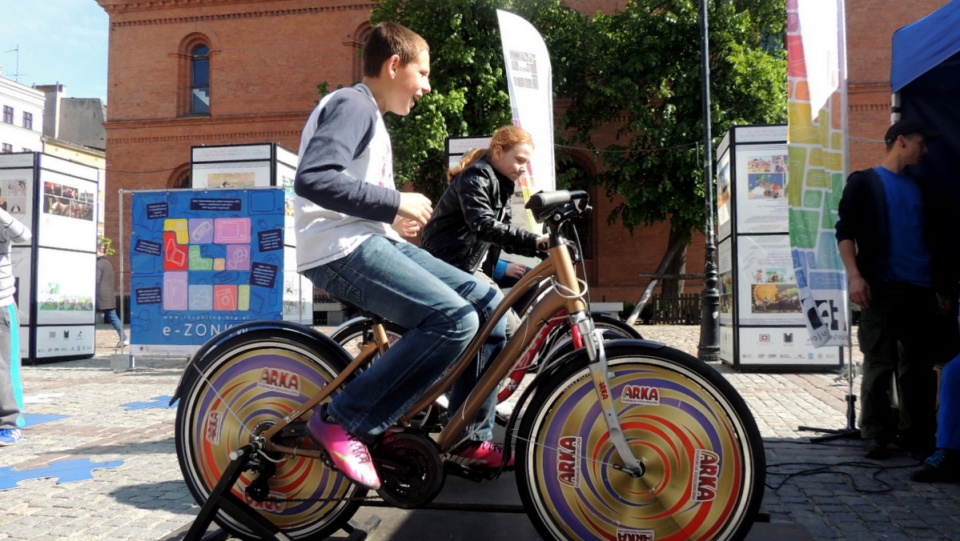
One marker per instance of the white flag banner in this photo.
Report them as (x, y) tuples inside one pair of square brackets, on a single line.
[(530, 83)]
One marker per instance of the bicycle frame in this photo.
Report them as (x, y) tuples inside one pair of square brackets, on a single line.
[(558, 268)]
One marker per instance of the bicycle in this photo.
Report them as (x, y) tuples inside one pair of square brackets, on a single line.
[(621, 438), (556, 337)]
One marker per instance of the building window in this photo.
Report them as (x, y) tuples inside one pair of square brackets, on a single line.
[(7, 148), (28, 120), (180, 178), (200, 80), (7, 114)]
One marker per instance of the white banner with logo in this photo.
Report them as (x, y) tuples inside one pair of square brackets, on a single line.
[(530, 83)]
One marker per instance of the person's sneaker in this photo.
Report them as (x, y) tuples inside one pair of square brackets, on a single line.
[(480, 454), (10, 436), (349, 454), (942, 466), (876, 449)]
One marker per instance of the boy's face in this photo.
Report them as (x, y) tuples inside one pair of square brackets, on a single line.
[(411, 82)]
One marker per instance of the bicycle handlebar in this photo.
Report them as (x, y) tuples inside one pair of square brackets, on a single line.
[(558, 206)]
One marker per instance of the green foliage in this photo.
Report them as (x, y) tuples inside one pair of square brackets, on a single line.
[(105, 244), (652, 90)]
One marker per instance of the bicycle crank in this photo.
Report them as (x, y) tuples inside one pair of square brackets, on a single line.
[(410, 468)]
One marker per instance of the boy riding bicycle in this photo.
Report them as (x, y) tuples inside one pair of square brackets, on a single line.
[(346, 211)]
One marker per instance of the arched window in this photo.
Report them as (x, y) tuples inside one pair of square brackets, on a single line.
[(200, 80), (359, 39), (180, 177)]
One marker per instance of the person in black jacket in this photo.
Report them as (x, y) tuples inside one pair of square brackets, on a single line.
[(894, 277), (471, 222)]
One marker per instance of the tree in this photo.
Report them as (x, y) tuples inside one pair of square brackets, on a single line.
[(651, 89)]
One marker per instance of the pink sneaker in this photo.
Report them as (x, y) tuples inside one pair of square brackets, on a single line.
[(480, 454), (349, 454)]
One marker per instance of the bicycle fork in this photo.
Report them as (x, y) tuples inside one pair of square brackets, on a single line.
[(593, 342)]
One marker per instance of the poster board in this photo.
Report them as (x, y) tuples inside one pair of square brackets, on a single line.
[(58, 200), (203, 261), (762, 324)]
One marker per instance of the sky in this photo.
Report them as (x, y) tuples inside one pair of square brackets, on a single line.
[(60, 41)]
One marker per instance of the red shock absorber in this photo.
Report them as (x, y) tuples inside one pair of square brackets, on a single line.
[(577, 337)]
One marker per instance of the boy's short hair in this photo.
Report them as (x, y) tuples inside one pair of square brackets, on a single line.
[(388, 39)]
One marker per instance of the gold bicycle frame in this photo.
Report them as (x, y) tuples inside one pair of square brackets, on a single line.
[(558, 265)]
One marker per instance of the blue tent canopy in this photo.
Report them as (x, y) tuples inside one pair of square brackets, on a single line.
[(925, 44), (926, 73)]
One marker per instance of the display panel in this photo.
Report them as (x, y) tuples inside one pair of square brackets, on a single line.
[(783, 346), (67, 212), (16, 194), (229, 175), (66, 341), (761, 179), (724, 206), (65, 298), (203, 261), (767, 292)]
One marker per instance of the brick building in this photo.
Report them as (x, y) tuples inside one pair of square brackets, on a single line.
[(214, 72)]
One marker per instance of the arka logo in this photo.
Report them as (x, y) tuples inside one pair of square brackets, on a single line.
[(635, 535), (604, 394), (706, 471), (640, 394), (568, 461), (212, 426), (280, 380)]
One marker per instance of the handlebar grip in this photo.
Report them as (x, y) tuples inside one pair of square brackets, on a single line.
[(548, 199)]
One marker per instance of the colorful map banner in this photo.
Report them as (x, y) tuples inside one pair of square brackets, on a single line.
[(817, 148), (203, 261)]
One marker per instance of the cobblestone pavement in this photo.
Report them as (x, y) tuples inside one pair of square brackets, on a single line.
[(119, 422)]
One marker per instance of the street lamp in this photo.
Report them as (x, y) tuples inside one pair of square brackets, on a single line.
[(709, 347)]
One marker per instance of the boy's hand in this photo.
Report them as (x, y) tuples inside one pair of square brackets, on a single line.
[(406, 228), (415, 206)]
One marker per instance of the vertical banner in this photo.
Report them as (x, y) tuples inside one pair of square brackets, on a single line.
[(203, 261), (817, 147), (530, 83)]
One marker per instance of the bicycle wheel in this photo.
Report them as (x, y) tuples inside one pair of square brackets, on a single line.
[(352, 335), (253, 380), (694, 434)]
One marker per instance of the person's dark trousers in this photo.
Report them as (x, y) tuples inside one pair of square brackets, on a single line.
[(897, 336)]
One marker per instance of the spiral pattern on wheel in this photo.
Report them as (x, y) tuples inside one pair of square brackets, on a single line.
[(686, 436), (262, 384)]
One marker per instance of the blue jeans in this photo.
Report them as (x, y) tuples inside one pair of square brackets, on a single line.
[(110, 316), (443, 308), (948, 428)]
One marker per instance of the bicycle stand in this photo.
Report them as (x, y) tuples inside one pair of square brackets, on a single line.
[(223, 498)]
